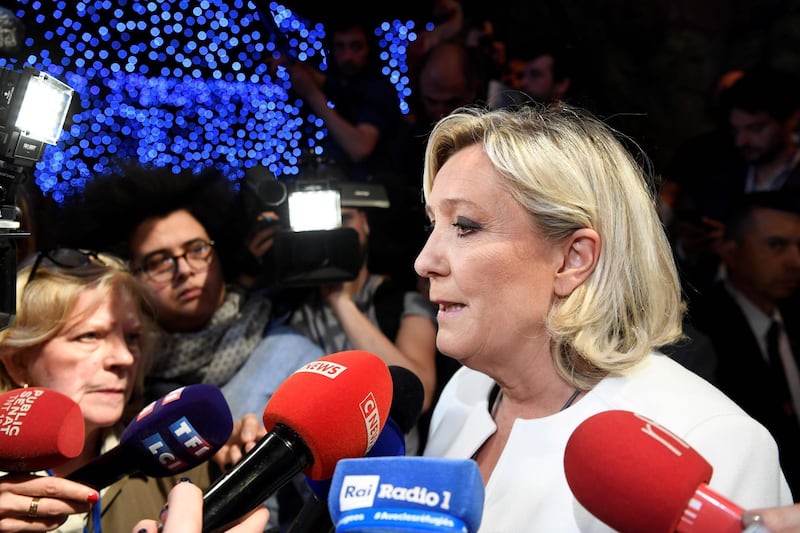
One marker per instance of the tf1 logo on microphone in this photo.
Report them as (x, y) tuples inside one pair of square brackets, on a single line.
[(187, 437)]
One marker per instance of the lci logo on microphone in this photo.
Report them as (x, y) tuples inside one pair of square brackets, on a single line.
[(189, 439), (358, 492)]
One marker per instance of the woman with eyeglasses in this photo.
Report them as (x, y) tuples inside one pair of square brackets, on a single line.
[(82, 328), (171, 229)]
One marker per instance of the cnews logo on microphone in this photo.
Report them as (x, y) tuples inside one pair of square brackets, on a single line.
[(323, 368), (372, 419), (360, 491)]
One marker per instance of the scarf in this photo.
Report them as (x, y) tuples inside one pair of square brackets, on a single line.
[(214, 354)]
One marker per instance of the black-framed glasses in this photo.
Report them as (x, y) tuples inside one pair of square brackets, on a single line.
[(63, 258), (161, 266)]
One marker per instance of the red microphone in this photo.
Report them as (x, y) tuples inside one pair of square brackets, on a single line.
[(39, 429), (330, 409), (637, 477)]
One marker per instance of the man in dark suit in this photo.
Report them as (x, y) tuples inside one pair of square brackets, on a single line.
[(756, 296), (762, 112)]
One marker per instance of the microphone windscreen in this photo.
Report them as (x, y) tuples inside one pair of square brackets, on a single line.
[(406, 405), (39, 429), (178, 431), (631, 473), (338, 405), (390, 443), (407, 397), (412, 493)]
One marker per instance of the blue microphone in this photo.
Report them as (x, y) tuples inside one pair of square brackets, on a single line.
[(397, 494), (179, 431)]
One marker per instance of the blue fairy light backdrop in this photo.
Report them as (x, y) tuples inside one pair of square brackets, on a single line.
[(179, 83)]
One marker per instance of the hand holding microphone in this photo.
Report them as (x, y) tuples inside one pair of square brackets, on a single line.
[(784, 519), (177, 432), (637, 477), (247, 431), (185, 515), (329, 409), (39, 428)]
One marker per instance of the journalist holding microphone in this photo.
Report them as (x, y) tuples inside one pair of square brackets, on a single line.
[(555, 287), (82, 329)]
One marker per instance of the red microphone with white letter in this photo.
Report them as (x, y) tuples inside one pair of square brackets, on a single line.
[(638, 477), (329, 409), (39, 429)]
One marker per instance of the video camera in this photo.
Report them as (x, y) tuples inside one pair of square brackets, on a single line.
[(311, 247), (33, 108)]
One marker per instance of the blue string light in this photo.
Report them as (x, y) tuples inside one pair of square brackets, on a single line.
[(179, 83)]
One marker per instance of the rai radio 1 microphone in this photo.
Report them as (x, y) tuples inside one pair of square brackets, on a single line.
[(39, 428), (179, 431), (407, 397), (411, 493), (327, 410), (638, 477)]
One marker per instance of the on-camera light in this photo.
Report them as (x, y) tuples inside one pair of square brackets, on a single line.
[(44, 108), (33, 108), (315, 210)]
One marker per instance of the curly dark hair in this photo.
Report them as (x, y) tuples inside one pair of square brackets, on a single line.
[(111, 206)]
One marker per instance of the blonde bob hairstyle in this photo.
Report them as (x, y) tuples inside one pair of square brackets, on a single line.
[(43, 307), (571, 171)]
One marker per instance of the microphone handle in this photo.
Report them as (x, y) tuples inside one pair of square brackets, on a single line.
[(313, 517), (274, 461), (106, 469)]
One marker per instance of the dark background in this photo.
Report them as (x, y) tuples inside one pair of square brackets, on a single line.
[(650, 65), (647, 65)]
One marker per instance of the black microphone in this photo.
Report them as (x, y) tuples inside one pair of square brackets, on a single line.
[(329, 409), (171, 435), (407, 397)]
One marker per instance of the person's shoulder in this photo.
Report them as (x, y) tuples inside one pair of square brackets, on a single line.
[(682, 402), (660, 386)]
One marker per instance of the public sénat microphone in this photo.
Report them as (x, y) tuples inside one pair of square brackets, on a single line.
[(39, 428), (179, 431), (638, 477), (327, 410), (406, 494)]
